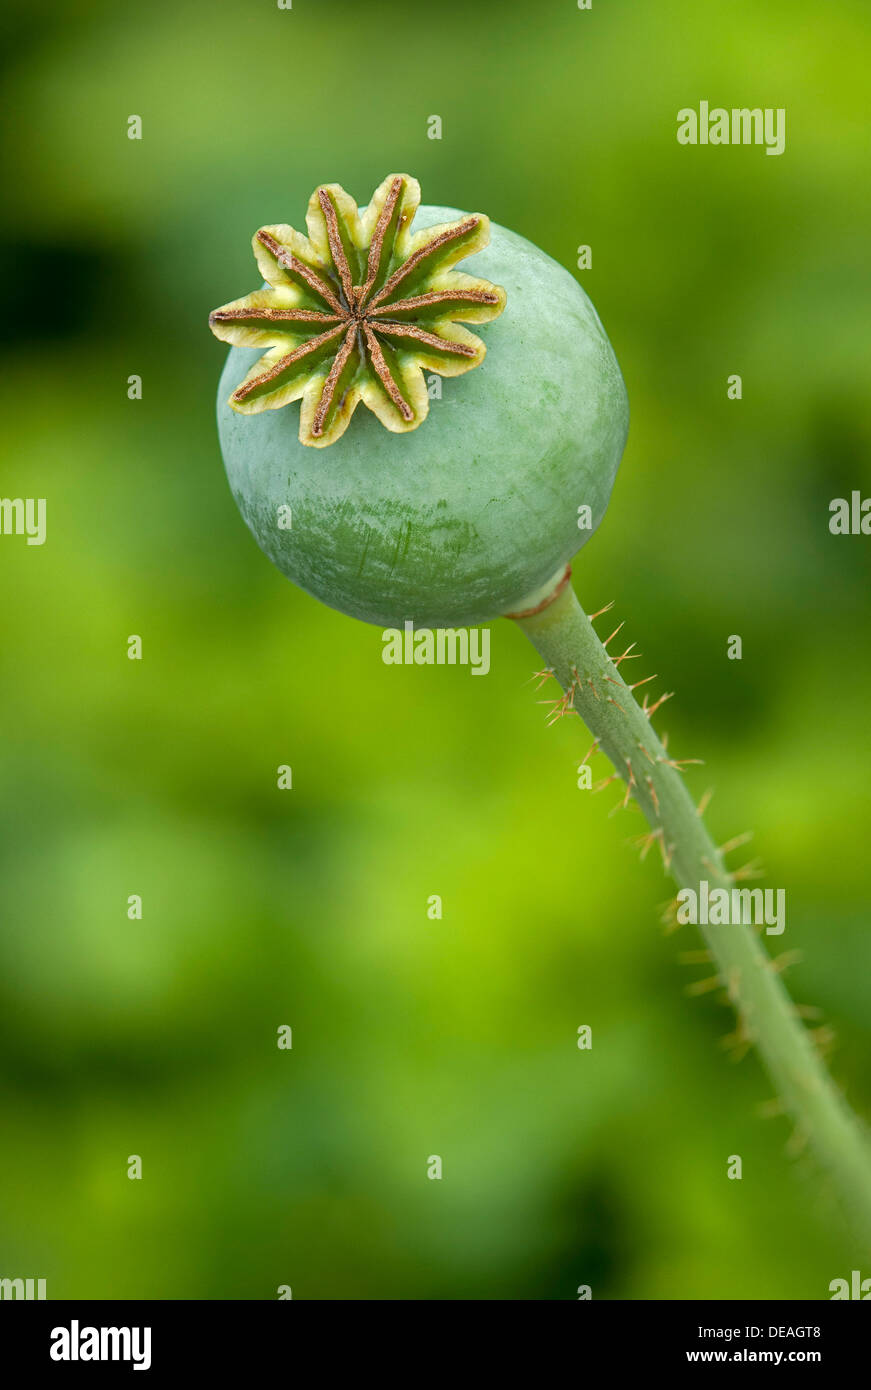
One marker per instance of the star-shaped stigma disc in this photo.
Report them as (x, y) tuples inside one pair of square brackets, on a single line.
[(358, 310)]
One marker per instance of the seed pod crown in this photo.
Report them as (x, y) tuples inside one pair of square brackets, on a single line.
[(358, 310)]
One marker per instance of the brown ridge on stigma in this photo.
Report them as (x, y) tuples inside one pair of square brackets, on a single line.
[(450, 234), (337, 250), (420, 335), (426, 301), (384, 374), (304, 350), (377, 244), (340, 361), (288, 261), (267, 315)]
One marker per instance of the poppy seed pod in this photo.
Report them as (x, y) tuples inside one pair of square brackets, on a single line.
[(446, 512), (465, 504)]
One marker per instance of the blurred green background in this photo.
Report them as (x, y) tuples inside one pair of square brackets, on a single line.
[(261, 907)]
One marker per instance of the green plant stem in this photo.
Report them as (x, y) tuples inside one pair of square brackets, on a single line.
[(564, 636)]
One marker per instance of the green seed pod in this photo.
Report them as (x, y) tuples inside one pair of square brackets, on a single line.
[(469, 510), (462, 508)]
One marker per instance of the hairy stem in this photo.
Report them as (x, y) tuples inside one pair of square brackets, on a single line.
[(564, 636)]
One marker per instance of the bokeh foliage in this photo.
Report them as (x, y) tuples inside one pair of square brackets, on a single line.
[(261, 907)]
